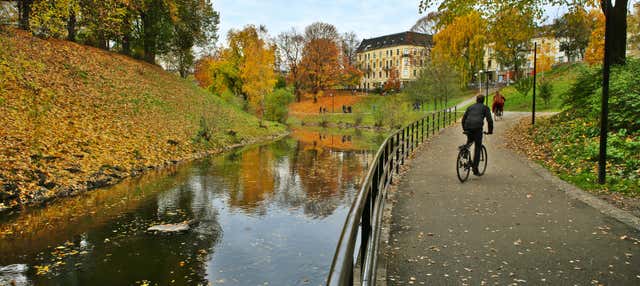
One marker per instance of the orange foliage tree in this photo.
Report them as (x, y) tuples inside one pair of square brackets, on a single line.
[(595, 49), (393, 83), (320, 65), (202, 71)]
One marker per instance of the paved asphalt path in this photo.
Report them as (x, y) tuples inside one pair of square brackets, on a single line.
[(508, 227)]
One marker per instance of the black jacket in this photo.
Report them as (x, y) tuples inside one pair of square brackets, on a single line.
[(474, 117)]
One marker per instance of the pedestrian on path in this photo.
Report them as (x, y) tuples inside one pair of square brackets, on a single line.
[(473, 123)]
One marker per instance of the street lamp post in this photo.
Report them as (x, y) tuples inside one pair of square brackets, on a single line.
[(535, 72), (604, 115), (486, 86)]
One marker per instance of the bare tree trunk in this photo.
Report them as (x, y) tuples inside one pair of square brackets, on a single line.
[(24, 8), (71, 26), (618, 33)]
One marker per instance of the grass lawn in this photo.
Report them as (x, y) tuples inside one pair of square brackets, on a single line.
[(364, 109), (561, 79)]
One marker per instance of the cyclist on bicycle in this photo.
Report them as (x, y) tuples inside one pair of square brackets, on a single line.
[(472, 124), (498, 103)]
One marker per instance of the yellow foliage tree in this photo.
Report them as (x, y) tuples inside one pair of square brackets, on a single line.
[(512, 32), (256, 65), (545, 56), (595, 49), (461, 44)]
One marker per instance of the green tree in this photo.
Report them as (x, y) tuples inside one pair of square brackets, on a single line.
[(276, 104), (437, 82), (546, 91), (196, 25), (524, 85), (574, 29)]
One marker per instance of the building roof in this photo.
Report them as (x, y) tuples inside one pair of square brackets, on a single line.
[(404, 38)]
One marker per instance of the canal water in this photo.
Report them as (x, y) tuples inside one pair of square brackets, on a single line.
[(260, 215)]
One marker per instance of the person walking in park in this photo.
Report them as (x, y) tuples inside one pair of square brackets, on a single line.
[(498, 103), (472, 124)]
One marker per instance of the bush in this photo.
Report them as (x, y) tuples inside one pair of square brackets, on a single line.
[(524, 85), (546, 91), (584, 96), (276, 104), (233, 99), (358, 117)]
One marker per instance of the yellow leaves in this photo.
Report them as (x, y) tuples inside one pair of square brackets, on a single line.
[(42, 270), (461, 43), (595, 50), (121, 119)]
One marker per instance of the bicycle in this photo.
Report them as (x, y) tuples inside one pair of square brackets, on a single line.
[(498, 113), (464, 163)]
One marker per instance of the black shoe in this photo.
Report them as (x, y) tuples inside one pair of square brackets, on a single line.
[(476, 172)]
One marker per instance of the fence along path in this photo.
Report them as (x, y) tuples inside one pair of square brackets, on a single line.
[(359, 240)]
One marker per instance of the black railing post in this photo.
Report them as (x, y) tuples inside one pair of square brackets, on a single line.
[(422, 133), (403, 146), (397, 147), (365, 228), (433, 123), (428, 124)]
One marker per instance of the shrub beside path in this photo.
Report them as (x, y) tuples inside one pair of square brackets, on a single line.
[(512, 226)]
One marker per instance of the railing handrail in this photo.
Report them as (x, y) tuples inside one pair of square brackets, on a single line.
[(390, 155)]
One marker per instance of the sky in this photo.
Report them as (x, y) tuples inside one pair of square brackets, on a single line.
[(367, 18)]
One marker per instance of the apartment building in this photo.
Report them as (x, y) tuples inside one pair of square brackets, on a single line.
[(402, 53)]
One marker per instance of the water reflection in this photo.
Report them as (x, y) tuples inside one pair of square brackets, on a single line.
[(269, 213)]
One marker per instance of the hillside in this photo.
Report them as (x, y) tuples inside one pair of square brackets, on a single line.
[(560, 78), (76, 118)]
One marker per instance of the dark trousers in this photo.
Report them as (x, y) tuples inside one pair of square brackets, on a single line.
[(475, 136)]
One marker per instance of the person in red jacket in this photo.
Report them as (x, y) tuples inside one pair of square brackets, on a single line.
[(498, 103)]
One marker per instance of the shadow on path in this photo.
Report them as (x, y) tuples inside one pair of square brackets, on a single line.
[(508, 227)]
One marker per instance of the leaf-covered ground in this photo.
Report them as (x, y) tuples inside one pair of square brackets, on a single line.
[(569, 147), (76, 118)]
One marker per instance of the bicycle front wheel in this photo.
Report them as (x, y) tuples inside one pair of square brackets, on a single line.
[(463, 165), (482, 164)]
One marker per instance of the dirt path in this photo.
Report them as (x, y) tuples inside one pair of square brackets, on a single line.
[(512, 226)]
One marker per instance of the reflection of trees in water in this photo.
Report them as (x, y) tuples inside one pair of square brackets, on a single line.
[(292, 174), (39, 228)]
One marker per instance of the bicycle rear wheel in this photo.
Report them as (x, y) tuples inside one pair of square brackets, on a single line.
[(482, 165), (463, 165)]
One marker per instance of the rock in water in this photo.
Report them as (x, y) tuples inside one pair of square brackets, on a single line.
[(14, 274), (170, 228)]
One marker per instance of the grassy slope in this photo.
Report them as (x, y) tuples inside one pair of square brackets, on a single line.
[(75, 117), (568, 145), (561, 79)]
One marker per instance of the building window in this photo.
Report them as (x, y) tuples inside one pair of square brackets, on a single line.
[(415, 72), (405, 73), (397, 52), (406, 51), (380, 73)]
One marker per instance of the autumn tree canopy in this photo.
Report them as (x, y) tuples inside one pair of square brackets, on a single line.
[(615, 9), (461, 44), (511, 34), (574, 29), (140, 28)]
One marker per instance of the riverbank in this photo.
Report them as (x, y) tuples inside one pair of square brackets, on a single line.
[(76, 118), (367, 112)]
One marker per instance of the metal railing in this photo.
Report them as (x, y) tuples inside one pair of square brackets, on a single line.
[(365, 215)]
